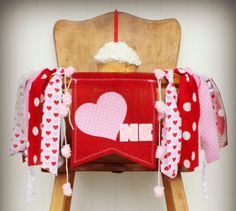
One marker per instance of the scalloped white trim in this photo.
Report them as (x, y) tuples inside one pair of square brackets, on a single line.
[(117, 52)]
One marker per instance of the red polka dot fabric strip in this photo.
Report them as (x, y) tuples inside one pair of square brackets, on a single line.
[(35, 112), (189, 109)]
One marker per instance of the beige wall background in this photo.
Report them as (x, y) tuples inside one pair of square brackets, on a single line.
[(208, 46)]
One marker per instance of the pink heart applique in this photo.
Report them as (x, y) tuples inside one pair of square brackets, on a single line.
[(104, 118)]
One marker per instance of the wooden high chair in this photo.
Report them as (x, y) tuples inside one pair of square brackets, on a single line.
[(157, 44)]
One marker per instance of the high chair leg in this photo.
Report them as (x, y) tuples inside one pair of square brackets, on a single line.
[(174, 193), (60, 202)]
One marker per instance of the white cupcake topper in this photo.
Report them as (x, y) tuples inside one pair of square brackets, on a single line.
[(115, 51)]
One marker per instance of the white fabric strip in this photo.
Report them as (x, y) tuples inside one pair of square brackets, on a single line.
[(19, 135), (51, 125), (171, 132)]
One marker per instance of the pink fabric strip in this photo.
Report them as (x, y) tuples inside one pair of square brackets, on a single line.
[(51, 125), (171, 133), (207, 124), (221, 119)]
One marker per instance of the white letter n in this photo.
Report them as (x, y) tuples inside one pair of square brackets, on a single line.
[(128, 132)]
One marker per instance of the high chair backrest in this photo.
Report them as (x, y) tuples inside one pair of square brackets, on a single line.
[(156, 42)]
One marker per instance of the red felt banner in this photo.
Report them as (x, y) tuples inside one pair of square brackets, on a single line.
[(114, 113)]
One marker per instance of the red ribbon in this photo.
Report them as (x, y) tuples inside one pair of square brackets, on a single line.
[(116, 13)]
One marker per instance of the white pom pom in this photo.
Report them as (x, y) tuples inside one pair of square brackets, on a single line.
[(161, 116), (33, 179), (160, 107), (204, 177), (66, 151), (69, 71), (160, 152), (158, 191), (204, 184), (205, 190), (63, 110), (159, 74), (67, 189), (66, 98)]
